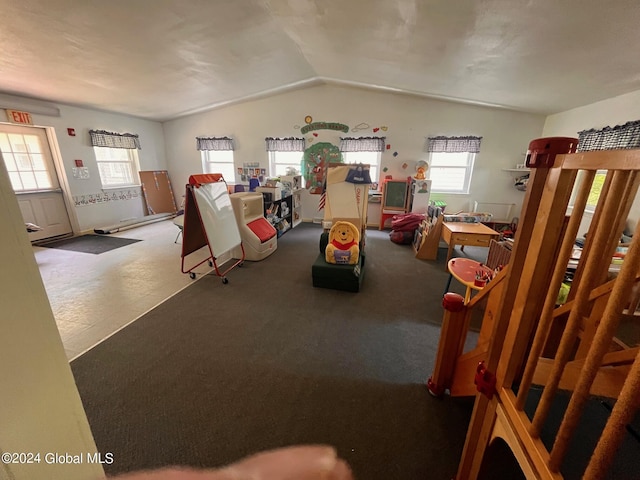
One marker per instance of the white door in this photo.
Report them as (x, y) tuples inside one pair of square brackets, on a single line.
[(27, 157)]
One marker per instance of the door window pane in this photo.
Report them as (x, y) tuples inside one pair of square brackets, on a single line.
[(42, 179), (23, 155), (38, 162), (5, 146), (28, 181), (9, 161), (17, 143), (16, 183)]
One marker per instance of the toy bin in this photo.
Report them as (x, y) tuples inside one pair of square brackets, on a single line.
[(259, 237)]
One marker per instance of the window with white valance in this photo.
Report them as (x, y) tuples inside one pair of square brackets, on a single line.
[(451, 161), (117, 158), (285, 155), (620, 137), (365, 150), (216, 154)]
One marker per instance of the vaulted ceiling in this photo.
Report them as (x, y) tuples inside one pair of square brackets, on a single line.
[(160, 59)]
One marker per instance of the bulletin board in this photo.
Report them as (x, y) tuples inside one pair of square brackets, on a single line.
[(394, 195), (157, 191)]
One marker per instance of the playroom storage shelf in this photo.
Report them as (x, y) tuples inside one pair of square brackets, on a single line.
[(279, 212), (294, 183)]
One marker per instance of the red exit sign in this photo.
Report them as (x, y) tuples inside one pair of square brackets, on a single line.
[(16, 116)]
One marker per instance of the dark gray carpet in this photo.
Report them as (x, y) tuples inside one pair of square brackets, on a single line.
[(95, 244), (221, 371)]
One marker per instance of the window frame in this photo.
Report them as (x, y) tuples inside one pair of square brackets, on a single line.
[(374, 167), (466, 186), (273, 164), (208, 162), (132, 162), (37, 164)]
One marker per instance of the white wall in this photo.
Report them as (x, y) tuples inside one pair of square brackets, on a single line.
[(409, 120), (40, 409), (610, 112), (88, 199)]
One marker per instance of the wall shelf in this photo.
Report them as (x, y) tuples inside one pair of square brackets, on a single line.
[(517, 170)]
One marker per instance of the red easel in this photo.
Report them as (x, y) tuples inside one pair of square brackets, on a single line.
[(194, 235)]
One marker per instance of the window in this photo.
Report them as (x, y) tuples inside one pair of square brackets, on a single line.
[(594, 193), (596, 190), (219, 161), (118, 167), (25, 162), (451, 162), (217, 156), (451, 172), (280, 162), (117, 158), (284, 154), (368, 158), (367, 150)]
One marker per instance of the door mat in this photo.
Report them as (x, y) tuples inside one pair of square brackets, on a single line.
[(95, 244)]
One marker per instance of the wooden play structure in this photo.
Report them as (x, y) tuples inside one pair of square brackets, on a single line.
[(537, 367)]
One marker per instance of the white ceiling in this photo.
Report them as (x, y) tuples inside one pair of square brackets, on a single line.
[(160, 59)]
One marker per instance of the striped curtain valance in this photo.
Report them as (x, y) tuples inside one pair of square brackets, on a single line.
[(102, 138), (214, 143), (453, 144), (290, 144), (610, 138), (362, 144)]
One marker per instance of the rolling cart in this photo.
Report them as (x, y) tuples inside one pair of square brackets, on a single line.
[(209, 221)]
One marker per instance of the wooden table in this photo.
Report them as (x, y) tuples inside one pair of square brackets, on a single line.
[(464, 270), (471, 234)]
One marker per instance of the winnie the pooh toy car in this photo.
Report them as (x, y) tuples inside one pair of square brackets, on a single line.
[(343, 246)]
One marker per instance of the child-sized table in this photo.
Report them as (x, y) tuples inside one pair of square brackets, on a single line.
[(464, 270)]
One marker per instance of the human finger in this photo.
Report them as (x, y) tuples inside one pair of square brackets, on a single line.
[(312, 462)]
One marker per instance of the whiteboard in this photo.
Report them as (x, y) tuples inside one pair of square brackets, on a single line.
[(218, 219)]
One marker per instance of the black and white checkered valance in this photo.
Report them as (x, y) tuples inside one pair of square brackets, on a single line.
[(453, 144), (362, 144), (610, 138), (290, 144), (214, 143), (102, 138)]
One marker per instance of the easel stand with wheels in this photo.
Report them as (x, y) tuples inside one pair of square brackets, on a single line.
[(209, 221)]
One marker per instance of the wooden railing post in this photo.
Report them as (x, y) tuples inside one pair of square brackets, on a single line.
[(454, 328)]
